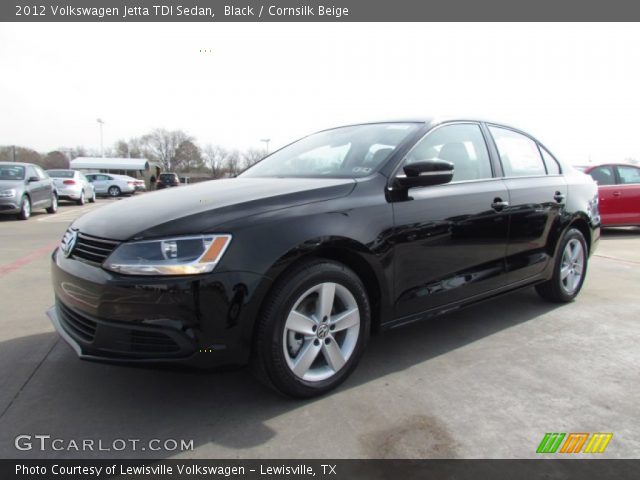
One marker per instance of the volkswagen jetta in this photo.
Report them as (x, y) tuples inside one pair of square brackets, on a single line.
[(290, 266)]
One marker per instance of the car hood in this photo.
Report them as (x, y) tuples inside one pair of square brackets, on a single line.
[(201, 207), (7, 184)]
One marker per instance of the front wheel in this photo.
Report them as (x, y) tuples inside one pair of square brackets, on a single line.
[(569, 271), (114, 191), (25, 209), (313, 330)]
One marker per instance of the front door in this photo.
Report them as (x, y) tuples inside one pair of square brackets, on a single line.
[(450, 240)]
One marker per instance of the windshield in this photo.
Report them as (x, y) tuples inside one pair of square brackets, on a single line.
[(11, 172), (60, 173), (345, 152)]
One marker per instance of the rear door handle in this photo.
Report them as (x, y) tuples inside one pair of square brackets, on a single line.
[(498, 204), (559, 197), (616, 194)]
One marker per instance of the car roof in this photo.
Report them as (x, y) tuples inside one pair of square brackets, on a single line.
[(608, 164), (21, 164), (433, 121)]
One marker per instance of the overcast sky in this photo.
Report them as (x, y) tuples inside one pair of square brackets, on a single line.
[(574, 86)]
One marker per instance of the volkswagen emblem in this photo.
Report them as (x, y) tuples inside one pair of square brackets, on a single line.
[(323, 331), (68, 242)]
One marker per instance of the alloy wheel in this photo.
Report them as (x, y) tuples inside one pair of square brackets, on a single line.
[(26, 208), (572, 266), (321, 332)]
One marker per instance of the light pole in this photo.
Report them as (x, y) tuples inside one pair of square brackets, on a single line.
[(101, 123), (266, 142)]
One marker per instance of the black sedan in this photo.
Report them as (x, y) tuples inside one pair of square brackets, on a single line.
[(290, 266)]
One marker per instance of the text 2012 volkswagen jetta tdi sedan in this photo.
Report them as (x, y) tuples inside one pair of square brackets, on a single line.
[(290, 266)]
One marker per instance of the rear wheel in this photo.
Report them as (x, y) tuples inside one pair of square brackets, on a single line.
[(114, 191), (53, 208), (93, 197), (25, 208), (81, 200), (569, 271), (313, 330)]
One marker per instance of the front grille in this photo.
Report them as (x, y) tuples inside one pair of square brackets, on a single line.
[(110, 338), (93, 249), (152, 342), (77, 325)]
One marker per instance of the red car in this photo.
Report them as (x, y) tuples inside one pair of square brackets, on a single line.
[(619, 193)]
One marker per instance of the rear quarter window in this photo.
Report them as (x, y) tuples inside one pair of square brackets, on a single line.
[(519, 155)]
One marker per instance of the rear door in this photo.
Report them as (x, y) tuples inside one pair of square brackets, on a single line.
[(629, 190), (450, 240), (537, 197), (100, 183), (609, 195)]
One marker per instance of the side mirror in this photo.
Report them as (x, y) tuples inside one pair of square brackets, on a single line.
[(425, 173), (33, 179)]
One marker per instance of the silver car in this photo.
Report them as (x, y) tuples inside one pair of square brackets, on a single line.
[(73, 185), (25, 187), (111, 184)]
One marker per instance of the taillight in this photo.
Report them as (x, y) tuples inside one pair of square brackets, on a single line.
[(69, 182)]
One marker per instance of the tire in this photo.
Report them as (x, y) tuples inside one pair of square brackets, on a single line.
[(283, 357), (54, 204), (569, 271), (93, 197), (81, 200), (25, 208), (114, 191)]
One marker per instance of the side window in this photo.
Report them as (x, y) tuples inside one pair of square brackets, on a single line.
[(461, 144), (31, 172), (553, 167), (628, 174), (603, 175), (41, 173), (519, 154)]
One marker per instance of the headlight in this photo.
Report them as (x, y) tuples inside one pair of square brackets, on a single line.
[(169, 256), (8, 193)]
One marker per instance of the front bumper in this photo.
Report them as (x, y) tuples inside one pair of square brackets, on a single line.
[(201, 321), (9, 205)]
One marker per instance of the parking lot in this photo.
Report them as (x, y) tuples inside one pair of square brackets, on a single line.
[(488, 381)]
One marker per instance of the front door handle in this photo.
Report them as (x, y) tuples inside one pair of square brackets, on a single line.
[(616, 194), (559, 197), (498, 204)]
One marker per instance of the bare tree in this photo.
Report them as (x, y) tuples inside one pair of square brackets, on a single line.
[(161, 145), (232, 163), (55, 159), (215, 158), (252, 156), (188, 157)]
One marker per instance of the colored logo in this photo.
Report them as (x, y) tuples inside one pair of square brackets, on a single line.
[(574, 442)]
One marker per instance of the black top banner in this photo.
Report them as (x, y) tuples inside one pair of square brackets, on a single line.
[(316, 11)]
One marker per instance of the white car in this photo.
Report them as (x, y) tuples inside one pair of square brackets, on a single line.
[(72, 185), (111, 184)]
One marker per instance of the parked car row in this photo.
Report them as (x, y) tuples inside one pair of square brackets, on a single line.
[(25, 187)]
